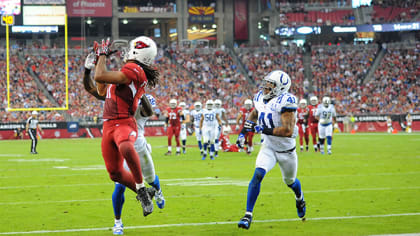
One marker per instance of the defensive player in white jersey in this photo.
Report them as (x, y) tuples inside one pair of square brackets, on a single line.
[(183, 133), (222, 115), (325, 114), (208, 124), (275, 112), (144, 150), (196, 118)]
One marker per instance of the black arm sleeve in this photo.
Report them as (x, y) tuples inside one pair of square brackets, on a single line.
[(89, 86)]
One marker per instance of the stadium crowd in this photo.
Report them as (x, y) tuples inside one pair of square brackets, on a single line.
[(339, 73), (191, 75), (289, 59)]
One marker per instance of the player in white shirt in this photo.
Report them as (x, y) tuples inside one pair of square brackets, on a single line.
[(144, 150), (183, 132), (409, 120), (275, 110), (221, 112), (196, 118), (208, 124), (389, 124), (325, 114)]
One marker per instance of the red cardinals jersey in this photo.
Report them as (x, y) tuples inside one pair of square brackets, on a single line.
[(122, 99), (245, 112), (174, 115), (312, 111), (302, 115)]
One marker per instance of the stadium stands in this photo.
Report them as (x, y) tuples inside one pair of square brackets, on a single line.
[(259, 63), (199, 74), (338, 71), (395, 87)]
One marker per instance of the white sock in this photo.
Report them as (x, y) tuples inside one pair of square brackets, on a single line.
[(329, 147), (169, 149), (138, 186), (248, 213), (178, 149), (118, 222)]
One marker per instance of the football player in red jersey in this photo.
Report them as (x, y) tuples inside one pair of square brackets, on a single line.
[(225, 141), (174, 116), (244, 137), (302, 122), (313, 122), (122, 90)]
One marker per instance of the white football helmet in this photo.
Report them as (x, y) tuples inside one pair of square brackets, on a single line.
[(326, 101), (172, 103), (34, 113), (197, 106), (142, 49), (226, 129), (152, 100), (217, 103), (209, 104), (248, 104), (303, 103), (183, 105), (281, 81), (313, 100)]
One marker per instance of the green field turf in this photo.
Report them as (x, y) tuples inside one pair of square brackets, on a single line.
[(370, 185)]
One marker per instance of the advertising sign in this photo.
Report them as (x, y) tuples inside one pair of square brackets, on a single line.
[(94, 8)]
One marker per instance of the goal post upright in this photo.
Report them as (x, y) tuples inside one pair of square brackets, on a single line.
[(66, 74)]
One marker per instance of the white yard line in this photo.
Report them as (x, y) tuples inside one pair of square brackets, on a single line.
[(214, 195), (209, 223)]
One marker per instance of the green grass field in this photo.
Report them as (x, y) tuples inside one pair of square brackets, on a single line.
[(370, 185)]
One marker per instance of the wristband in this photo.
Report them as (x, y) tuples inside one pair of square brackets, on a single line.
[(268, 131)]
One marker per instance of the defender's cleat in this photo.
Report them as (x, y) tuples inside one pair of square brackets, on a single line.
[(178, 153), (168, 153), (216, 154), (184, 151), (211, 158), (146, 202), (118, 229), (204, 157), (301, 208), (245, 222), (160, 200)]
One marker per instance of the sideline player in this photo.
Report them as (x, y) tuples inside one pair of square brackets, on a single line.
[(302, 114), (208, 123), (183, 132), (123, 89), (325, 113), (245, 137), (313, 122), (275, 110), (196, 118), (409, 120), (389, 124), (32, 124), (143, 149), (222, 115), (174, 117)]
